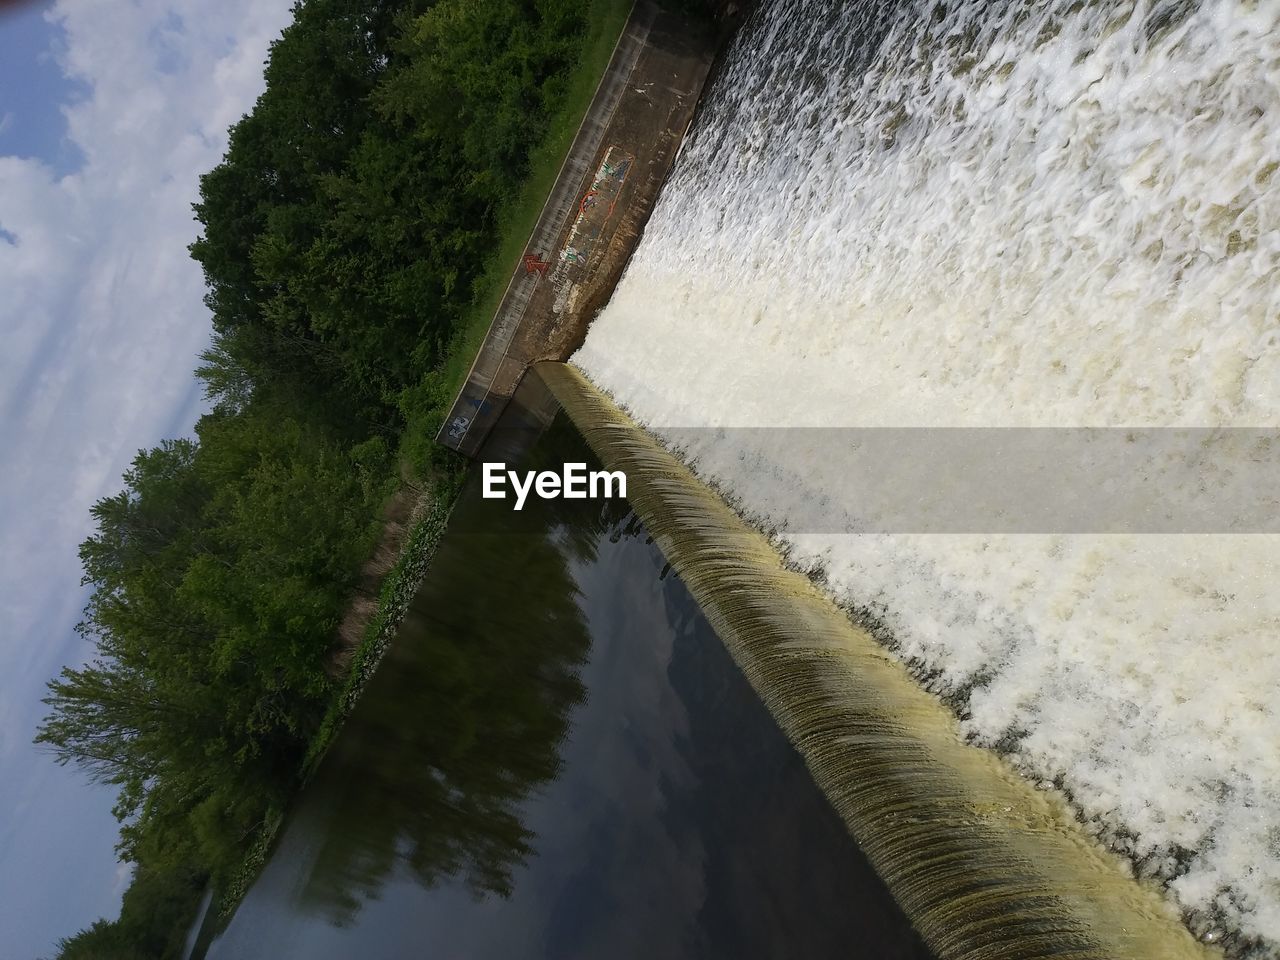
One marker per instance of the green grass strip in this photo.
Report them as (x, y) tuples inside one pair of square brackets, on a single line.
[(605, 22)]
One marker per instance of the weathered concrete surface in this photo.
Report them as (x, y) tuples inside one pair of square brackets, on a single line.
[(594, 215)]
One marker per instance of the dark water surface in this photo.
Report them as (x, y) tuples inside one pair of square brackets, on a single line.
[(559, 759)]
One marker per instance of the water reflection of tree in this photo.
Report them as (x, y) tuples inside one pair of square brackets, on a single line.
[(463, 721)]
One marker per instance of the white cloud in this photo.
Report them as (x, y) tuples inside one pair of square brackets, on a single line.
[(101, 310)]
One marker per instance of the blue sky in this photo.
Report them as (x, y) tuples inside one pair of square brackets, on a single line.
[(33, 87), (109, 112)]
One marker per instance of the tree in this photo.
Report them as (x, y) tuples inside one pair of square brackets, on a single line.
[(341, 238)]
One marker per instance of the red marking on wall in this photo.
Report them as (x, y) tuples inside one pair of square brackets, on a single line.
[(535, 264)]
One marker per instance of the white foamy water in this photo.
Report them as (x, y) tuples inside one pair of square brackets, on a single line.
[(1005, 214)]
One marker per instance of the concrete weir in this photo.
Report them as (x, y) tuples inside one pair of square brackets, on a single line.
[(594, 215), (984, 865)]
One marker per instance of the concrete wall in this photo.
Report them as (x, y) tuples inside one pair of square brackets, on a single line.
[(593, 216)]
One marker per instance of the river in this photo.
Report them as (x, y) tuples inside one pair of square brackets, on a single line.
[(557, 758)]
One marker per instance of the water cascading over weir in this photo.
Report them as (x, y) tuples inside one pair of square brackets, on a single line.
[(986, 866), (962, 227)]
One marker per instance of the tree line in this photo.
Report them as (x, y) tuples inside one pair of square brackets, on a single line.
[(341, 239)]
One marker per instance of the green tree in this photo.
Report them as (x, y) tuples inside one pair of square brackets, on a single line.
[(341, 238)]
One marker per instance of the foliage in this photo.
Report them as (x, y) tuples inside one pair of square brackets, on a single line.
[(217, 575), (358, 203), (347, 239), (424, 406), (158, 907)]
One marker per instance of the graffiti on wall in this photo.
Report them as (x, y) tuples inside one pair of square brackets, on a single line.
[(533, 263), (566, 272), (595, 210)]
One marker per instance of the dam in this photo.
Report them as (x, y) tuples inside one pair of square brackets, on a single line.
[(927, 217)]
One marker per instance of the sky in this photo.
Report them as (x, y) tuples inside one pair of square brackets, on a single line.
[(109, 112)]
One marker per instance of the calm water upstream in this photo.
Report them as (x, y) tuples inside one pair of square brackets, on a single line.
[(558, 759)]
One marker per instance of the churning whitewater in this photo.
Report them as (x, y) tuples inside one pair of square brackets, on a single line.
[(996, 214)]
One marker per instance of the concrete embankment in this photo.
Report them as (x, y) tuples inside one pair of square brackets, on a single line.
[(594, 215)]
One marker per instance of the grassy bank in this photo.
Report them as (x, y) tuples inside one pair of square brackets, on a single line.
[(426, 406), (398, 588), (518, 217)]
